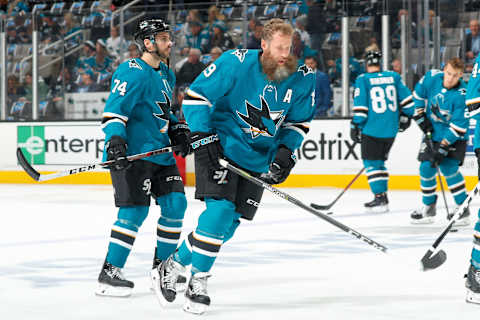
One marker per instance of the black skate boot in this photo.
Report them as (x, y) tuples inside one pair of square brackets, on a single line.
[(378, 204), (181, 285), (472, 283), (164, 279), (425, 215), (112, 283), (463, 220), (196, 296)]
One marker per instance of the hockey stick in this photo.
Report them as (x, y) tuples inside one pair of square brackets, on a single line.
[(328, 206), (429, 142), (300, 204), (431, 260), (37, 176)]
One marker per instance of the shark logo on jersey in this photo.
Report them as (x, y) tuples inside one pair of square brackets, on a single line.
[(165, 110), (134, 64), (261, 121), (306, 70), (438, 114), (240, 54)]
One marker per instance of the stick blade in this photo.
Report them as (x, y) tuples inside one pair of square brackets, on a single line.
[(430, 262), (26, 166), (319, 207)]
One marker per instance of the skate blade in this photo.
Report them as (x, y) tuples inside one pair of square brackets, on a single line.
[(428, 220), (472, 297), (155, 283), (195, 308), (378, 209), (106, 290)]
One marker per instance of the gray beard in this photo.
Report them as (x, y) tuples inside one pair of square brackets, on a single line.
[(281, 73)]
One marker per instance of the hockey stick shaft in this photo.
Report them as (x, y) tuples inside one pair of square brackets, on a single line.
[(300, 204), (328, 206), (458, 212), (37, 176), (430, 145)]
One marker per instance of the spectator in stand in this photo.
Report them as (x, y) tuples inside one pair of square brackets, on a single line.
[(397, 30), (69, 28), (3, 7), (132, 52), (220, 38), (14, 89), (50, 30), (215, 53), (177, 104), (100, 64), (12, 36), (115, 45), (88, 51), (41, 85), (197, 38), (254, 40), (214, 15), (372, 45), (397, 66), (252, 24), (316, 23), (472, 43), (323, 91), (18, 7), (300, 24), (191, 68), (87, 83), (300, 50)]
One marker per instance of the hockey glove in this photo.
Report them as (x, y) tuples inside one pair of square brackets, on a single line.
[(477, 153), (423, 123), (438, 154), (473, 109), (404, 122), (355, 133), (207, 150), (117, 151), (281, 166), (179, 134)]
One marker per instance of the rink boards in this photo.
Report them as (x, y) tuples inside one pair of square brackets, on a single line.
[(326, 158)]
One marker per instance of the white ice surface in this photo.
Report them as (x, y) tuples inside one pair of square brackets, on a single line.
[(286, 264)]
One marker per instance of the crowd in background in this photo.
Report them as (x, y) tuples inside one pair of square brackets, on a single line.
[(92, 49)]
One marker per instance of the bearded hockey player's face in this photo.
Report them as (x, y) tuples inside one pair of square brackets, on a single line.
[(278, 47), (164, 43), (451, 76)]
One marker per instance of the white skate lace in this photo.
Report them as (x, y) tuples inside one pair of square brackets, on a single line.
[(171, 275), (199, 284), (116, 273)]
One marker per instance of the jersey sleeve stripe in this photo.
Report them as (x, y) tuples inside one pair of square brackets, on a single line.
[(359, 108), (472, 101), (416, 96), (195, 103), (411, 104), (301, 128), (359, 114), (195, 96), (406, 100), (106, 122), (114, 115), (458, 129)]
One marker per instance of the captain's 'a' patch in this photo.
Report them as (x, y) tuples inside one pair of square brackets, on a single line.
[(306, 70), (134, 64), (240, 54)]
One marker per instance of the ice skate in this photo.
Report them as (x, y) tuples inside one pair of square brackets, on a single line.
[(472, 283), (463, 220), (379, 204), (112, 283), (425, 215), (181, 285), (196, 296), (164, 279)]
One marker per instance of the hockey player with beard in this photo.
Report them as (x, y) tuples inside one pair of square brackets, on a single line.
[(380, 101), (252, 107), (138, 118), (440, 113)]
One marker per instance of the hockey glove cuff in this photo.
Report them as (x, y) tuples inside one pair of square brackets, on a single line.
[(355, 133), (207, 150), (404, 122), (281, 166), (473, 109), (423, 123), (179, 134), (117, 151)]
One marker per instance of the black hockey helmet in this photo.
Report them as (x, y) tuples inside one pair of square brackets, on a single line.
[(373, 58), (147, 28)]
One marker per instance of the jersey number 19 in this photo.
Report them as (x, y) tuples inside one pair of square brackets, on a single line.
[(382, 98)]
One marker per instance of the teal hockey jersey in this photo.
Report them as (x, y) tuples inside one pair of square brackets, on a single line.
[(251, 115), (379, 98), (472, 98), (139, 108), (445, 108)]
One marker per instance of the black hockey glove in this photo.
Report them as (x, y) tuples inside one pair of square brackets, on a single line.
[(281, 166), (438, 154), (355, 133), (117, 151), (179, 134), (423, 123), (477, 153), (207, 150), (473, 109), (404, 122)]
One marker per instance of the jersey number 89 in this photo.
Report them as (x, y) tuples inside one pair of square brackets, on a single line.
[(382, 98)]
